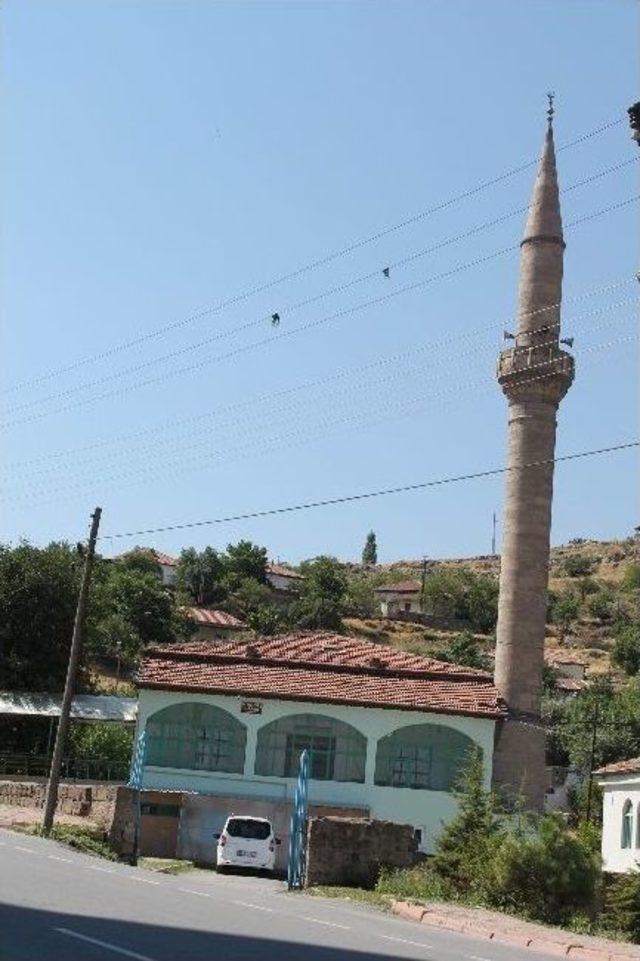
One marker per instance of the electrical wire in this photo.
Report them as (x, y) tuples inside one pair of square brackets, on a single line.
[(368, 495), (309, 325), (296, 438), (155, 447), (312, 265)]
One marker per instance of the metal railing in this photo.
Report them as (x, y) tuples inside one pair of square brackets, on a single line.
[(73, 768)]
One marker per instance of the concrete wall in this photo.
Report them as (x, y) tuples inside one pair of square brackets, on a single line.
[(190, 836), (93, 801), (426, 810), (616, 791), (351, 851)]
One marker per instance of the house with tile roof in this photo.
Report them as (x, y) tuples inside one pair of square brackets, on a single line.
[(388, 732), (282, 578), (167, 564), (211, 625), (620, 783), (400, 599)]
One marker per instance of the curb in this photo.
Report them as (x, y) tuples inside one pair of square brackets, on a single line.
[(564, 949)]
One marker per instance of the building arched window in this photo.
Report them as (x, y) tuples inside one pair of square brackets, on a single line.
[(337, 751), (627, 824), (197, 737), (424, 756)]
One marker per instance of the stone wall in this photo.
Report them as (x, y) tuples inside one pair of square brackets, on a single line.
[(96, 802), (351, 851)]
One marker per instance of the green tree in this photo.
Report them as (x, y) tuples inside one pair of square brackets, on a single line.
[(631, 576), (38, 596), (108, 746), (200, 576), (360, 600), (252, 602), (464, 649), (623, 905), (462, 594), (322, 596), (370, 550), (601, 604), (245, 559), (130, 609), (564, 609), (548, 874), (578, 565), (467, 843), (626, 648), (615, 713)]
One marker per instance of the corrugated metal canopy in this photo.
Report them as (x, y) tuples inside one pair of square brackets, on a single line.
[(84, 707)]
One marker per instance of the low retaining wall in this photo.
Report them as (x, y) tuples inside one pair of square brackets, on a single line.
[(351, 851), (93, 801)]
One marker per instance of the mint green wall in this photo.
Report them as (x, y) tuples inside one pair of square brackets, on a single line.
[(425, 809)]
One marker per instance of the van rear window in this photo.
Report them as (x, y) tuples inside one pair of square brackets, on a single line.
[(248, 828)]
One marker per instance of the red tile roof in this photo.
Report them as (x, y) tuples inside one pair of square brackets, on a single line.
[(316, 666), (281, 571), (404, 587), (165, 559), (206, 618), (630, 766)]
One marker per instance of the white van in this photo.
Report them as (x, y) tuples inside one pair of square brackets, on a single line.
[(246, 842)]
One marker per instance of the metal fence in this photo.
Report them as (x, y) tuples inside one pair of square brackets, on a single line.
[(73, 768)]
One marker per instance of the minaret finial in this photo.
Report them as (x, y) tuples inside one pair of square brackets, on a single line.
[(550, 112)]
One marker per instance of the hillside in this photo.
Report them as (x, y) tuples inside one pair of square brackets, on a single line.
[(590, 573)]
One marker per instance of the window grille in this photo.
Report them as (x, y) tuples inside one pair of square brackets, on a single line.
[(196, 737), (337, 751), (627, 824), (422, 756)]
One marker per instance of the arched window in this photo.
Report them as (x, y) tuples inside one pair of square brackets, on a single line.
[(198, 737), (627, 824), (425, 756), (337, 751)]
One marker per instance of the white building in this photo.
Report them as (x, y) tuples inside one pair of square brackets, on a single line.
[(620, 784), (388, 732), (167, 564), (282, 578), (398, 599)]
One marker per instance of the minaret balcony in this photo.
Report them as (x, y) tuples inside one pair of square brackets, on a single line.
[(544, 372)]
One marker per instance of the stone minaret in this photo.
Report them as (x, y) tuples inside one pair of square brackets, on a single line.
[(534, 374)]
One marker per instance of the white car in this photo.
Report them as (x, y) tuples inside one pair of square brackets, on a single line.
[(246, 842)]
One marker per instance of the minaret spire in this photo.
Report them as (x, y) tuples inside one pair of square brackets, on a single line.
[(534, 376)]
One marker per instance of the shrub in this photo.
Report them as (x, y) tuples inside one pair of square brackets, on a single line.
[(547, 875), (626, 649), (578, 565), (601, 605), (631, 577), (623, 905)]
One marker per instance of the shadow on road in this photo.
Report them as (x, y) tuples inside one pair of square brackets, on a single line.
[(27, 934)]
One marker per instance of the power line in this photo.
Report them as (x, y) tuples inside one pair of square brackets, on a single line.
[(152, 446), (312, 265), (499, 322), (308, 301), (301, 328), (296, 437), (350, 498)]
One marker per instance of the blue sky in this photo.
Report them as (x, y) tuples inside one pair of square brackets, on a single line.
[(164, 157)]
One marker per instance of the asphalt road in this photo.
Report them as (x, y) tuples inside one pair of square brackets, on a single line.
[(59, 905)]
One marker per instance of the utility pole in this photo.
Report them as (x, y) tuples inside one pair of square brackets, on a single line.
[(592, 759), (423, 583), (69, 686), (493, 535)]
